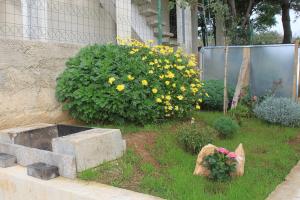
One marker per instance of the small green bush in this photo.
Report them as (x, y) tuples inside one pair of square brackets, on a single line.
[(215, 90), (133, 82), (240, 112), (283, 111), (193, 137), (226, 127)]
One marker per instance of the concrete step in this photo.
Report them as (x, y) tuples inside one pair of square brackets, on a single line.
[(164, 34), (141, 2), (148, 12), (154, 23), (172, 42)]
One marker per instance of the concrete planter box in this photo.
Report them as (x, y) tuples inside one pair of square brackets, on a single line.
[(70, 148)]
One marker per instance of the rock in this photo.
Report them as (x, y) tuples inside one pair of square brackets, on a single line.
[(42, 171), (205, 151), (7, 160), (239, 151)]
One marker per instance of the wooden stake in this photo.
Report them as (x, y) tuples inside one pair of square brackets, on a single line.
[(225, 103), (243, 79), (296, 60)]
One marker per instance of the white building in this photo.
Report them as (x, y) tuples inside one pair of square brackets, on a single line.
[(96, 21)]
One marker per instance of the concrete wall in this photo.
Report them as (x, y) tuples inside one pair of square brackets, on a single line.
[(16, 185), (28, 72), (72, 21)]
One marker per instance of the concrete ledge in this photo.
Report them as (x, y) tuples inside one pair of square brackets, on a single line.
[(27, 156), (16, 185)]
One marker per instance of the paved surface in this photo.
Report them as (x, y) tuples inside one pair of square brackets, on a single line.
[(290, 188), (16, 185)]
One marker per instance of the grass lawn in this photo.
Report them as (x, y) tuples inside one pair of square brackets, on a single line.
[(167, 171)]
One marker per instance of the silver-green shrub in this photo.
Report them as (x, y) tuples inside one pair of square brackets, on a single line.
[(279, 110)]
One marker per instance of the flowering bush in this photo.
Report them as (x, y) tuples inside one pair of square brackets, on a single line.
[(132, 81), (221, 164)]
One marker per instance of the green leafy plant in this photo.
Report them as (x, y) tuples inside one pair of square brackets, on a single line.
[(221, 164), (279, 110), (132, 82), (226, 127), (240, 112), (215, 100), (193, 137)]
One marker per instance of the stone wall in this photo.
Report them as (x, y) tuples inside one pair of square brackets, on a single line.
[(28, 72)]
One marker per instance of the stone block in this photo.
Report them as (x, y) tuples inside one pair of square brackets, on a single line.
[(7, 160), (42, 171), (91, 147), (28, 156)]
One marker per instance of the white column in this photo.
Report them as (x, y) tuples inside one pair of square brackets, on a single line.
[(123, 18), (184, 28)]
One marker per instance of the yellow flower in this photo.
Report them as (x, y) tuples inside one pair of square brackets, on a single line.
[(180, 67), (167, 82), (167, 61), (120, 87), (191, 63), (130, 77), (144, 58), (162, 96), (151, 63), (170, 107), (161, 76), (144, 82), (170, 75), (206, 95), (200, 100), (198, 107), (182, 88), (151, 72), (180, 97), (111, 80), (179, 60), (167, 66), (154, 90), (176, 108), (174, 85), (194, 90), (168, 97), (158, 100), (167, 103)]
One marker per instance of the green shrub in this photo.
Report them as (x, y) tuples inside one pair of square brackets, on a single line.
[(240, 112), (226, 127), (215, 90), (283, 111), (193, 137), (132, 82)]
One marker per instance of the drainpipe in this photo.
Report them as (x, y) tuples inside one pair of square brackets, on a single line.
[(159, 20)]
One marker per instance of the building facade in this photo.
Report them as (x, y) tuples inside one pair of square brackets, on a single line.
[(96, 21)]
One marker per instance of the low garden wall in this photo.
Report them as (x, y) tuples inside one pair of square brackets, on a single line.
[(28, 72)]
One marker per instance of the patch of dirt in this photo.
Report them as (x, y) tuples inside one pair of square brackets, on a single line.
[(141, 143), (295, 143)]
